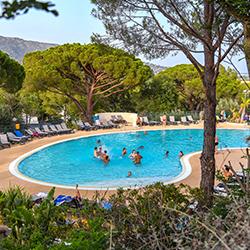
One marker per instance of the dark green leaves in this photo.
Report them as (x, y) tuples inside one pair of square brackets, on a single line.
[(18, 7), (11, 73)]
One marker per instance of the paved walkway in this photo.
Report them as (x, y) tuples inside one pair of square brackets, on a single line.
[(8, 155)]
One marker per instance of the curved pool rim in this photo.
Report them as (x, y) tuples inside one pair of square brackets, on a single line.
[(186, 165)]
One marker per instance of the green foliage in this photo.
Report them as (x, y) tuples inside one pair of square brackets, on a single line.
[(11, 73), (85, 74), (153, 217), (11, 9), (9, 108), (239, 9), (159, 94), (180, 87)]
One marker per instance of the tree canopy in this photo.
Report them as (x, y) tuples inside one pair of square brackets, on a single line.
[(11, 73), (84, 73), (240, 9), (157, 28), (11, 9)]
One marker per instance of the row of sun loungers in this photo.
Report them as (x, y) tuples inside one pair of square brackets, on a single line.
[(46, 130), (185, 120), (97, 125)]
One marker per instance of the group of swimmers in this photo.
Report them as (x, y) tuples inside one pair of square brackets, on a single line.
[(98, 153), (135, 155)]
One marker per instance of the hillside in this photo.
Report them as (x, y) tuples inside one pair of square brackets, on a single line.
[(17, 47)]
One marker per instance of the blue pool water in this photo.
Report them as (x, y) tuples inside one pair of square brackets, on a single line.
[(72, 162)]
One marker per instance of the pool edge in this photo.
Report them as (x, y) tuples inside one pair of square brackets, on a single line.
[(186, 165)]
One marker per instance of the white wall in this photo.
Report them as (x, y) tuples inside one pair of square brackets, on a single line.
[(129, 117)]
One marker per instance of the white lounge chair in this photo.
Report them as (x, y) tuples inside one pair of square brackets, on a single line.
[(64, 126), (47, 130), (40, 133), (184, 120), (190, 119), (54, 129), (4, 140), (172, 120), (145, 121), (61, 130)]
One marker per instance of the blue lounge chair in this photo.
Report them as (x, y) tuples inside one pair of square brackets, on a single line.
[(21, 135), (14, 139)]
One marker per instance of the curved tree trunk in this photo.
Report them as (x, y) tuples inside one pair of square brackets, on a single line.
[(90, 106)]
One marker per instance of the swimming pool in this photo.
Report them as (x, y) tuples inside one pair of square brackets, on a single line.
[(71, 162)]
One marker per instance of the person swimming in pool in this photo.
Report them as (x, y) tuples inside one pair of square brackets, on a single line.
[(98, 141), (129, 174), (95, 152), (132, 155), (141, 147), (106, 159), (124, 151), (181, 154), (167, 153), (99, 153), (137, 158)]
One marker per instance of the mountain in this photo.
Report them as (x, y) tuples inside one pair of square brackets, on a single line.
[(17, 47), (156, 68)]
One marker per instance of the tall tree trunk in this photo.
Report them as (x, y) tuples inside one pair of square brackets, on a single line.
[(207, 157), (90, 106), (247, 44)]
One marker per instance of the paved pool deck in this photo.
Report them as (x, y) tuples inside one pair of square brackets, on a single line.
[(8, 155)]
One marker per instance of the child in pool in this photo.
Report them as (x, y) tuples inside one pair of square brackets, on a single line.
[(129, 174), (124, 151), (133, 154), (95, 152)]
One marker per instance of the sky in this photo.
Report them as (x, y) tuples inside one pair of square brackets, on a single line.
[(74, 24)]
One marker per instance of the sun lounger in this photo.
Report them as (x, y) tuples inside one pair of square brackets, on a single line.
[(121, 119), (190, 119), (98, 124), (184, 120), (14, 139), (80, 125), (4, 140), (172, 120), (40, 133), (220, 190), (54, 129), (114, 119), (47, 130), (88, 126), (145, 121), (20, 135), (31, 133), (64, 126), (113, 124), (106, 124), (61, 130)]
